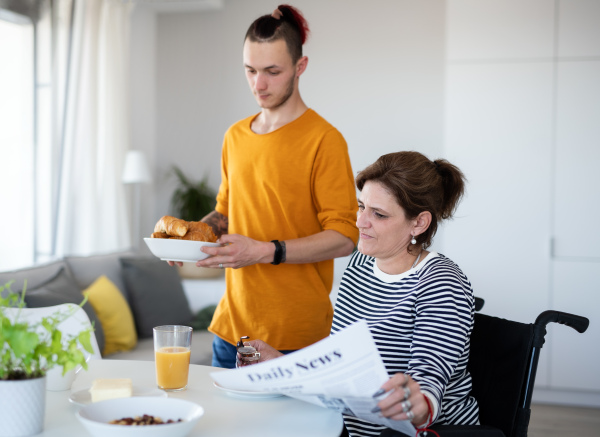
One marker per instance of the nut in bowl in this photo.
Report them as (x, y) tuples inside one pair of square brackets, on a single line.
[(97, 417), (169, 249)]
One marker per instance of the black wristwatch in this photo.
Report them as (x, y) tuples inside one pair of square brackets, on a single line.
[(279, 256)]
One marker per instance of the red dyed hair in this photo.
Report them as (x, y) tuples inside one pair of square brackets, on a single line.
[(291, 27), (300, 21)]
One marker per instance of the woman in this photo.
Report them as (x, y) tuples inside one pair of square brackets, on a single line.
[(418, 304)]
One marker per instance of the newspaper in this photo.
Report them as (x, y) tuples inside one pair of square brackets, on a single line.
[(341, 372)]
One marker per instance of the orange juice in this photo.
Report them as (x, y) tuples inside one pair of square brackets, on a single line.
[(172, 367)]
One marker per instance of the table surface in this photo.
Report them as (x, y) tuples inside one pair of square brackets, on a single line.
[(224, 414)]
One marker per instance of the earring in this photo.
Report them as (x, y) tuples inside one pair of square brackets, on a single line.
[(414, 240)]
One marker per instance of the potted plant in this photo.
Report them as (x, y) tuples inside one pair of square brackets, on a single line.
[(27, 351), (191, 201)]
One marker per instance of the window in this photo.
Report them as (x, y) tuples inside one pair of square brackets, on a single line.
[(26, 132), (16, 140)]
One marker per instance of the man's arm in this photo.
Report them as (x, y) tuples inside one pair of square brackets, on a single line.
[(218, 222), (325, 245), (241, 251)]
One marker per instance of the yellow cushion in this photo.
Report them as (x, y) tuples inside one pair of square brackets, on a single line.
[(114, 314)]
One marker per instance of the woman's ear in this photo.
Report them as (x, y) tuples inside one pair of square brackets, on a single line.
[(422, 222)]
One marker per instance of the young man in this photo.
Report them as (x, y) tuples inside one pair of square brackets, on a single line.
[(286, 205)]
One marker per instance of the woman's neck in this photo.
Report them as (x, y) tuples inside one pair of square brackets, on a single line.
[(401, 264)]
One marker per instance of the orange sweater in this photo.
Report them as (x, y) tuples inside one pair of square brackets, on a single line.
[(290, 183)]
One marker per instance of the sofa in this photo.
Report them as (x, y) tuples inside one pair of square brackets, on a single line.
[(127, 295)]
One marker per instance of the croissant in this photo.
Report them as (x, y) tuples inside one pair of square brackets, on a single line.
[(172, 226), (159, 235), (200, 231)]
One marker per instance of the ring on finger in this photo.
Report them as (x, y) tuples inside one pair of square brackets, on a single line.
[(410, 415), (406, 406), (406, 393), (220, 265)]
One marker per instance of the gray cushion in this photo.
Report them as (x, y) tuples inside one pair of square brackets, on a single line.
[(35, 276), (156, 295), (62, 289), (86, 269)]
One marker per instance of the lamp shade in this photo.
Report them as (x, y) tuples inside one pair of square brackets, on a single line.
[(136, 169)]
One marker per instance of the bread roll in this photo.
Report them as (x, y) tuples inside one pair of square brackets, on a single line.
[(200, 231), (171, 226)]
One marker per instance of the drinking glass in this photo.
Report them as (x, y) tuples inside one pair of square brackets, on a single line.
[(172, 347)]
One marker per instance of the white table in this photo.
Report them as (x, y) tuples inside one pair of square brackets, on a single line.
[(224, 414)]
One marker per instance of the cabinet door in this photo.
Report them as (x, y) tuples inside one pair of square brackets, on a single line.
[(577, 199), (499, 132), (575, 356)]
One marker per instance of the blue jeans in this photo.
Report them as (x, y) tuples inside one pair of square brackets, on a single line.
[(224, 353)]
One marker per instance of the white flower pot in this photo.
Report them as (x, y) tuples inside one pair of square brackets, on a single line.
[(55, 381), (22, 407)]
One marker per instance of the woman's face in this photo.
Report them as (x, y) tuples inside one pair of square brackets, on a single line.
[(385, 232)]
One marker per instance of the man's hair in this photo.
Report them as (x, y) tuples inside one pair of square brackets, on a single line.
[(291, 27)]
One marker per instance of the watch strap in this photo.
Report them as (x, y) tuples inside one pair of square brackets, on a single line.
[(278, 252)]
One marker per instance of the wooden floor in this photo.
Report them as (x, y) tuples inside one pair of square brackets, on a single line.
[(555, 421)]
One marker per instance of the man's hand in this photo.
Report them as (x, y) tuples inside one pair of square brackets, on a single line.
[(172, 263), (237, 251), (266, 352)]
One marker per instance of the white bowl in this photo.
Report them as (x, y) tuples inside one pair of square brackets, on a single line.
[(96, 417), (168, 249)]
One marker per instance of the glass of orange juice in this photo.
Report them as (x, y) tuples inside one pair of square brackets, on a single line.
[(172, 346)]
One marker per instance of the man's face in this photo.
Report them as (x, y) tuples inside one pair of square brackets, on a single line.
[(270, 72)]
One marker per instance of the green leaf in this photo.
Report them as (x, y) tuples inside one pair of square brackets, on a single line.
[(56, 342), (22, 342), (85, 340), (25, 352)]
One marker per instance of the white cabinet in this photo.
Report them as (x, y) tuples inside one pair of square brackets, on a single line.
[(577, 200), (498, 131), (508, 29), (523, 122), (575, 357), (578, 28)]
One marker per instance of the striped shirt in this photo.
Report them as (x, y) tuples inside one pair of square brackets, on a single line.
[(421, 321)]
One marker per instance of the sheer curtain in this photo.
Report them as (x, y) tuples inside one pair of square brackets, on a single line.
[(90, 209)]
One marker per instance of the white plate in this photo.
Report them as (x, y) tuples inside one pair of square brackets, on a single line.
[(96, 417), (168, 249), (248, 393), (84, 397)]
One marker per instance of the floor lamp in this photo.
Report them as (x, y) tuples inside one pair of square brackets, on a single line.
[(136, 173)]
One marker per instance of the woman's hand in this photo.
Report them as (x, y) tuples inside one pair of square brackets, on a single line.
[(266, 352), (405, 401)]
